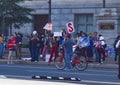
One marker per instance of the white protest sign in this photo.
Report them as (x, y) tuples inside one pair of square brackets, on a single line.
[(70, 27), (48, 26), (57, 34)]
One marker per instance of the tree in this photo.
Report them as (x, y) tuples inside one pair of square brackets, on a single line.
[(13, 15)]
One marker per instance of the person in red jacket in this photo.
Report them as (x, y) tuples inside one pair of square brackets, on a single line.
[(12, 44)]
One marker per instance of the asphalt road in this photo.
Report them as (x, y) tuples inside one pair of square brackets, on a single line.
[(92, 76)]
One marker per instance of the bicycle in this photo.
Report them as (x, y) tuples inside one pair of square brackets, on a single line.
[(78, 61)]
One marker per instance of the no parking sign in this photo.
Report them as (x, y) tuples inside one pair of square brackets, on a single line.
[(70, 27)]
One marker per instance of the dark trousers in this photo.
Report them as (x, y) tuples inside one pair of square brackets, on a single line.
[(116, 55), (34, 54), (118, 63), (83, 51), (119, 66), (89, 52), (101, 52), (41, 48)]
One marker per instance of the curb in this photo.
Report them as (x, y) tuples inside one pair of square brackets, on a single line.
[(92, 65), (56, 78)]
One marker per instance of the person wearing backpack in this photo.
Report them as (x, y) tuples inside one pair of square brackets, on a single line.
[(118, 51)]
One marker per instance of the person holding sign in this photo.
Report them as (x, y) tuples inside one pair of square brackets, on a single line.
[(54, 48), (70, 27)]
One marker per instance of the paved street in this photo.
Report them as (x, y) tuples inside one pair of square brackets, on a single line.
[(5, 81), (23, 70), (92, 76)]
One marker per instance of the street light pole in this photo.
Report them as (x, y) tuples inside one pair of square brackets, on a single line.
[(104, 3), (3, 25), (49, 15)]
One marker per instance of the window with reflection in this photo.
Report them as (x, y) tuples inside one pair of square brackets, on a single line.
[(84, 22)]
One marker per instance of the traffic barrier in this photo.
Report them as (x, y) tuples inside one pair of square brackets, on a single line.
[(56, 78)]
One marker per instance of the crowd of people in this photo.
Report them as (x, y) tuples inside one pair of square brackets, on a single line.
[(13, 44), (40, 44)]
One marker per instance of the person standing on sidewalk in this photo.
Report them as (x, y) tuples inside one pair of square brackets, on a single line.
[(95, 40), (90, 48), (19, 37), (12, 44), (101, 48), (34, 48), (54, 48), (29, 44), (118, 51), (46, 44), (1, 47), (41, 43)]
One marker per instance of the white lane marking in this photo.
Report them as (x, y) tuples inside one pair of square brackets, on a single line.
[(61, 78), (27, 77), (3, 76), (49, 77), (37, 76), (100, 82), (73, 78), (64, 72)]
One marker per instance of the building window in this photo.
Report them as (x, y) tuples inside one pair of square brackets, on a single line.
[(84, 22)]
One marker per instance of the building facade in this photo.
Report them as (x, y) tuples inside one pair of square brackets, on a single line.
[(86, 15)]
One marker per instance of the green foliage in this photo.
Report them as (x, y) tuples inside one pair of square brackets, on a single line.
[(14, 14)]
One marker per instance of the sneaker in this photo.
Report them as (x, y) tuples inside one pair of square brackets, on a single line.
[(41, 56), (8, 62), (36, 61), (101, 61), (11, 62)]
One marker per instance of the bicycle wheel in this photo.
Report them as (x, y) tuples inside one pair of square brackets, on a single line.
[(81, 63), (60, 63)]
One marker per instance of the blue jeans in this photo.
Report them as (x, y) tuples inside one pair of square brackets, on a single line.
[(96, 53), (34, 54), (1, 49), (68, 59), (37, 53)]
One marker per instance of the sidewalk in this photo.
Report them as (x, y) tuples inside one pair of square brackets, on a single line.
[(109, 62)]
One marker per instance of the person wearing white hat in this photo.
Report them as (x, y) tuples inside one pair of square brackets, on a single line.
[(34, 46), (34, 32), (101, 50)]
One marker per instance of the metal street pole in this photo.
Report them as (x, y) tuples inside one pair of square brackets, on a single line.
[(104, 2), (49, 15), (3, 25)]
